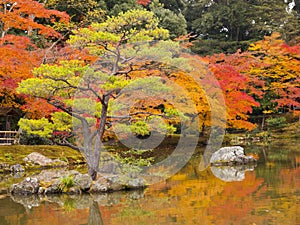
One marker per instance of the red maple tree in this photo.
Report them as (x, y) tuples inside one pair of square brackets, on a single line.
[(237, 86)]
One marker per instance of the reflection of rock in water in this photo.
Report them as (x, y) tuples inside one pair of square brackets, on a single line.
[(80, 201), (28, 201), (69, 202), (231, 173)]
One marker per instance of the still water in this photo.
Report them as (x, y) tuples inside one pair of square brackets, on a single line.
[(268, 194)]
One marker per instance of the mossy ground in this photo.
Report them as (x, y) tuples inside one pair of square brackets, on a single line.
[(14, 154), (290, 131)]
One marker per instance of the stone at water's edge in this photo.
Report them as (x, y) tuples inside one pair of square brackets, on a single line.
[(47, 182), (53, 188), (100, 185), (83, 181), (228, 156), (28, 186), (136, 183), (117, 183)]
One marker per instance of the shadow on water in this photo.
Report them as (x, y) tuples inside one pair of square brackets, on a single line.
[(95, 217)]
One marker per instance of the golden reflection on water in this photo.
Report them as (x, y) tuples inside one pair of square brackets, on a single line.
[(192, 197)]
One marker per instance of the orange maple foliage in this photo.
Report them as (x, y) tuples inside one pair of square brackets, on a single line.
[(188, 96), (15, 60), (233, 204), (21, 15), (69, 53), (16, 64), (18, 54), (207, 83)]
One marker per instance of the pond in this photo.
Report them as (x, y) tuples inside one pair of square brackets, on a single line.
[(267, 194)]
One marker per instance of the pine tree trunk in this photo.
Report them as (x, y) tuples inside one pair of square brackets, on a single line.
[(93, 157), (92, 172)]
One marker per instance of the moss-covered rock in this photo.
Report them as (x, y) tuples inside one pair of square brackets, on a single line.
[(36, 158)]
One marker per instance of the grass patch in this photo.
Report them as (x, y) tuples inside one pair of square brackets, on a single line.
[(289, 131), (66, 183)]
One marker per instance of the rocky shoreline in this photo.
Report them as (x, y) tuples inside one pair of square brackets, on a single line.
[(60, 180), (56, 178), (73, 182)]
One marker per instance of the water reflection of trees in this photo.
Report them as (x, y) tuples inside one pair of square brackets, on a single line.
[(276, 157), (185, 198), (269, 194), (61, 209)]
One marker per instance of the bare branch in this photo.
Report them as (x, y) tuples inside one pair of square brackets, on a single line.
[(77, 87), (134, 114), (68, 144), (52, 46), (126, 72), (67, 110)]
